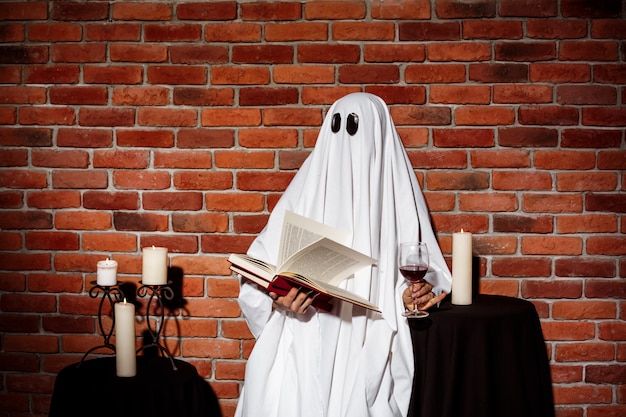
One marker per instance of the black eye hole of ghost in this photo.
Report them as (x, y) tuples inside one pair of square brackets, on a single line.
[(352, 124), (336, 123)]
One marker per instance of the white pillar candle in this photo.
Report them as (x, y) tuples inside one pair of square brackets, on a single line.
[(462, 268), (125, 356), (107, 273), (154, 271)]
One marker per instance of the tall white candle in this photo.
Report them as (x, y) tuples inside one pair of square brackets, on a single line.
[(154, 271), (107, 273), (462, 268), (125, 356)]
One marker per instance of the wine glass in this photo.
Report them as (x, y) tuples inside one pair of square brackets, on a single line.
[(413, 261)]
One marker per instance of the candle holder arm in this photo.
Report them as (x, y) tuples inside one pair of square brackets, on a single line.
[(111, 294), (156, 294)]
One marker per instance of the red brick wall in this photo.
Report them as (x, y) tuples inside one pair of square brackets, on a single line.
[(126, 124)]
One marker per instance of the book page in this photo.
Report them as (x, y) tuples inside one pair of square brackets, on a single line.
[(253, 265), (299, 232), (326, 261), (249, 275)]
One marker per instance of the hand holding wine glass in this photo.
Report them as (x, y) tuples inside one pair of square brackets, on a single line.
[(413, 261)]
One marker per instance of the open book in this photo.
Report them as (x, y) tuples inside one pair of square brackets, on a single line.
[(312, 258)]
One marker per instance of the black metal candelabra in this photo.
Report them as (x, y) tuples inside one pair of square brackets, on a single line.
[(111, 294), (156, 293)]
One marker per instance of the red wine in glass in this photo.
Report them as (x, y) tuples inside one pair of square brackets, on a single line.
[(413, 273), (413, 262)]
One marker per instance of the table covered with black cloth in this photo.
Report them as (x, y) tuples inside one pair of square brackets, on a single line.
[(93, 389), (487, 359)]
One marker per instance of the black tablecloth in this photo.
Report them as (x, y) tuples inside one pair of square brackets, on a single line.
[(487, 359), (93, 389)]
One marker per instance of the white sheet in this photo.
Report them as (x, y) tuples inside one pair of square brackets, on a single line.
[(349, 362)]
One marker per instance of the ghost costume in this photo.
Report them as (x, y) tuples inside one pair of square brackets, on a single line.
[(348, 362)]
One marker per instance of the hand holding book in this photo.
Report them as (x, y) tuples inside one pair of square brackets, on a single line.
[(295, 300)]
